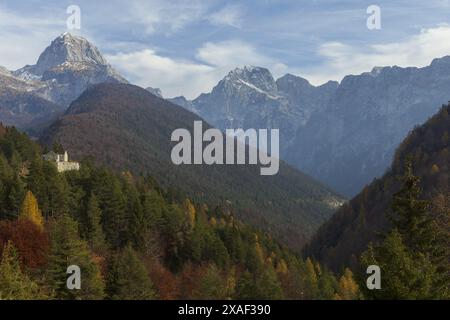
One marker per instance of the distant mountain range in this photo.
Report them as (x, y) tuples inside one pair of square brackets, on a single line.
[(343, 134), (251, 98), (128, 128)]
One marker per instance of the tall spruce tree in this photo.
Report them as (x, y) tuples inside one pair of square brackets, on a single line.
[(68, 249), (128, 278), (112, 203), (407, 254), (15, 284), (412, 215), (93, 228)]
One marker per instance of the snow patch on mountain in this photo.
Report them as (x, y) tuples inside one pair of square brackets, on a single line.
[(258, 89)]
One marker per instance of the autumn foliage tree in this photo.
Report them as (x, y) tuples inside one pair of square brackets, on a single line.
[(30, 210), (166, 284), (31, 243), (348, 288)]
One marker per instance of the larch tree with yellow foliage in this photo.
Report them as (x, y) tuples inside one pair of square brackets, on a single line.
[(348, 288), (311, 289), (30, 210), (190, 212)]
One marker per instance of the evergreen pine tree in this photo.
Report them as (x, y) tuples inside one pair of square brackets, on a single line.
[(411, 215), (404, 274), (212, 286), (246, 288), (407, 253), (128, 278), (263, 286), (93, 228), (137, 226), (112, 204), (268, 286), (327, 285), (56, 192), (68, 249), (16, 194), (15, 284)]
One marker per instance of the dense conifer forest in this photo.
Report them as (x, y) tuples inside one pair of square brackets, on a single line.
[(134, 240)]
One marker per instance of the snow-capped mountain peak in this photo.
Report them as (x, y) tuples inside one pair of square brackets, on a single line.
[(68, 48), (66, 68), (257, 78)]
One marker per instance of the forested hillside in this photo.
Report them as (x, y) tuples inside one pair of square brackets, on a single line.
[(127, 128), (423, 161), (134, 240)]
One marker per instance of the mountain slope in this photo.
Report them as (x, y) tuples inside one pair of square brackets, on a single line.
[(26, 111), (127, 127), (340, 241), (20, 107)]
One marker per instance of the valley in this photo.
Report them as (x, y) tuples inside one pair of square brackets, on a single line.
[(184, 200)]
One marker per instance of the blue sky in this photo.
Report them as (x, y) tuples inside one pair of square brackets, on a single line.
[(186, 47)]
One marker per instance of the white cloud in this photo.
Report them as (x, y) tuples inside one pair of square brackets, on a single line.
[(190, 78), (166, 16), (234, 53), (171, 16), (147, 68), (231, 15), (418, 50), (23, 38)]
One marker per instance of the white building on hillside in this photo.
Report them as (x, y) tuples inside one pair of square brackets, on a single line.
[(62, 161)]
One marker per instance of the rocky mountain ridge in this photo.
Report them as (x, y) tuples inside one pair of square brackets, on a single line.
[(343, 134)]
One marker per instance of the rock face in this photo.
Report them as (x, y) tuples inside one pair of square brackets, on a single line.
[(342, 134), (26, 111), (65, 49), (250, 98), (20, 107), (354, 139), (31, 97), (67, 67)]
